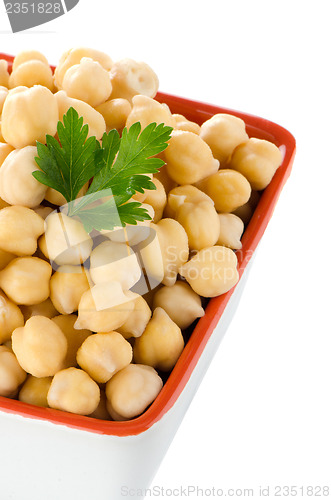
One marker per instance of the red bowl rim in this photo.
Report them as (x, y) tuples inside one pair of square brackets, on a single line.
[(257, 127)]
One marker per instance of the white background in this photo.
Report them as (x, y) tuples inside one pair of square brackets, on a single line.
[(262, 414)]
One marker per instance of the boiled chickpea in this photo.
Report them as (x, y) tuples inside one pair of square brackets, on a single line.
[(101, 412), (26, 280), (212, 271), (227, 188), (136, 323), (131, 390), (189, 159), (87, 81), (20, 227), (28, 115), (43, 211), (182, 123), (11, 374), (231, 229), (74, 391), (3, 97), (174, 247), (5, 258), (163, 177), (28, 55), (161, 344), (132, 234), (257, 160), (184, 194), (57, 198), (103, 354), (11, 317), (201, 223), (74, 337), (180, 302), (34, 390), (67, 286), (30, 73), (40, 346), (17, 185), (5, 149), (45, 308), (146, 110), (246, 211), (115, 113), (151, 256), (157, 199), (129, 77), (223, 132), (4, 74)]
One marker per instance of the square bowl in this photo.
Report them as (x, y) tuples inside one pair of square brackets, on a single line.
[(70, 455)]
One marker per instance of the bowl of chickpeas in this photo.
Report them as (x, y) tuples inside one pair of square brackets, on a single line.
[(105, 337)]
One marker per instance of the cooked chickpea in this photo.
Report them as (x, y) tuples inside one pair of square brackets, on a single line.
[(66, 240), (67, 286), (174, 247), (189, 159), (223, 132), (231, 229), (104, 307), (112, 261), (151, 256), (87, 81), (157, 198), (163, 177), (57, 198), (28, 55), (101, 412), (132, 234), (131, 390), (74, 391), (103, 354), (17, 185), (212, 271), (91, 117), (43, 211), (40, 346), (115, 113), (26, 280), (4, 74), (227, 188), (129, 78), (3, 97), (146, 110), (5, 258), (74, 337), (11, 317), (74, 56), (5, 149), (20, 227), (184, 194), (257, 160), (136, 323), (180, 302), (45, 308), (182, 123), (34, 390), (11, 374), (246, 211), (201, 223), (30, 73), (161, 344), (28, 115)]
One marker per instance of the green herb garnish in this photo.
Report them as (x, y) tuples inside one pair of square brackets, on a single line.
[(118, 167)]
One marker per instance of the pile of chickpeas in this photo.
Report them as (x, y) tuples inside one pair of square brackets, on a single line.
[(75, 334)]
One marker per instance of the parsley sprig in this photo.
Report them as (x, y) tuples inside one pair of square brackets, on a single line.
[(117, 168)]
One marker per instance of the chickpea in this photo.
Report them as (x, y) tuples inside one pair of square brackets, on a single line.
[(67, 286), (66, 240), (10, 318), (43, 211), (182, 123), (184, 194), (74, 391), (57, 198), (20, 227), (5, 149), (201, 223), (212, 271), (28, 55), (115, 113), (227, 188), (162, 176), (136, 323), (103, 354), (222, 133), (87, 81), (5, 258), (157, 199), (74, 56), (4, 74), (146, 110), (189, 159), (17, 185), (11, 374), (74, 337), (26, 280), (131, 390), (257, 160), (101, 412), (45, 308), (28, 115), (129, 78), (30, 73), (231, 229), (132, 234), (42, 248), (104, 307), (40, 346), (161, 344), (174, 247), (180, 302), (3, 96), (151, 256), (94, 120), (34, 391), (246, 211), (111, 261)]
